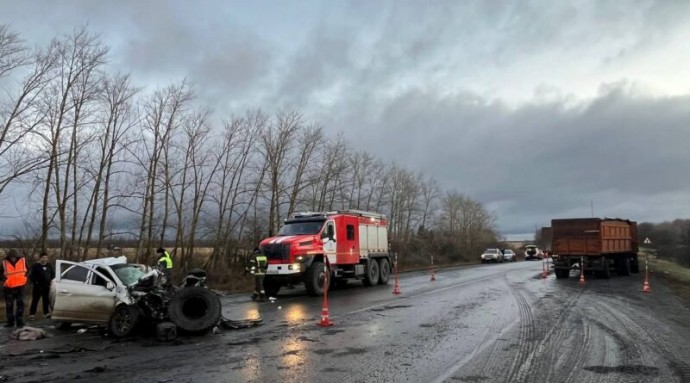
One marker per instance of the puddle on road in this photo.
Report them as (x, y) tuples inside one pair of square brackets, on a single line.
[(630, 369)]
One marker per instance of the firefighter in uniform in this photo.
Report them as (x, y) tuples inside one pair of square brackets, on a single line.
[(258, 263), (165, 263), (14, 274)]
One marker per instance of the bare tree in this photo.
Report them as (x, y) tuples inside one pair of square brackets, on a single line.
[(115, 123), (78, 56), (310, 138), (19, 111), (430, 193), (234, 196), (162, 115), (276, 142)]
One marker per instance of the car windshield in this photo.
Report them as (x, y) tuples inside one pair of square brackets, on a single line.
[(129, 273), (301, 228), (492, 251)]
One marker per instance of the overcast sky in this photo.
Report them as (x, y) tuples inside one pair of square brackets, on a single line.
[(536, 108)]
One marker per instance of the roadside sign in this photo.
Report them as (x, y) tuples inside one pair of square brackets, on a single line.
[(647, 241)]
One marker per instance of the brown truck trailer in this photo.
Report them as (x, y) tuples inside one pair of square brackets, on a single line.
[(602, 243)]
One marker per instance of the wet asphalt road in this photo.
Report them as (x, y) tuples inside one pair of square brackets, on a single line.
[(489, 323)]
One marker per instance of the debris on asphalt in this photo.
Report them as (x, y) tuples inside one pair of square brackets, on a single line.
[(28, 333), (239, 324)]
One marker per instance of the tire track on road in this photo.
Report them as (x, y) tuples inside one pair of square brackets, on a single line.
[(533, 368), (675, 361), (526, 339)]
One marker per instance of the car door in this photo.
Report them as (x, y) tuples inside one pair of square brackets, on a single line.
[(76, 297)]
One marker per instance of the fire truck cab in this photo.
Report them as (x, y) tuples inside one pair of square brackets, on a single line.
[(353, 243)]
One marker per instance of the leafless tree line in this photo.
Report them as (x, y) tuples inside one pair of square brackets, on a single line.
[(103, 160)]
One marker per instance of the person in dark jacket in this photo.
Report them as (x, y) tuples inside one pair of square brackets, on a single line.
[(14, 277), (41, 274)]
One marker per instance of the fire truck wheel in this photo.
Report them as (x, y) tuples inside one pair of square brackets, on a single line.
[(314, 279), (384, 272), (372, 277)]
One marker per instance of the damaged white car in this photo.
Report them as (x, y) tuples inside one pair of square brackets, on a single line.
[(124, 296)]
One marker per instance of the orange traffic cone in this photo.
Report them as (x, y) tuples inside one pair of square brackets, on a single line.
[(396, 287), (645, 286), (325, 317)]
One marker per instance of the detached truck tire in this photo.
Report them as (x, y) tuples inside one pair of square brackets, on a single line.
[(195, 309)]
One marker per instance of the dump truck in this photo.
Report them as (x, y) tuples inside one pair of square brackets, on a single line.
[(352, 244), (597, 244)]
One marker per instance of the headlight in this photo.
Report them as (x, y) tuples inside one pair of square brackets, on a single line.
[(299, 258), (294, 267)]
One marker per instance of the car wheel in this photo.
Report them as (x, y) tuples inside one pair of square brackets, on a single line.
[(124, 320), (195, 309)]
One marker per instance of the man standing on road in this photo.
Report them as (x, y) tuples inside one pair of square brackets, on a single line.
[(14, 274), (165, 263), (258, 264), (41, 275)]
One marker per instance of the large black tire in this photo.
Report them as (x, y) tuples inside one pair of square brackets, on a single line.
[(562, 273), (195, 309), (271, 287), (124, 320), (314, 279), (372, 276), (384, 271)]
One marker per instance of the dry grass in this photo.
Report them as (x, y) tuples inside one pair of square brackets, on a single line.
[(670, 269), (677, 276)]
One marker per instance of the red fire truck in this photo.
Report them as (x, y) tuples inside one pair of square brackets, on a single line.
[(354, 242)]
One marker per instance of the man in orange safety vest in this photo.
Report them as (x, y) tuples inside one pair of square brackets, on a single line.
[(14, 275)]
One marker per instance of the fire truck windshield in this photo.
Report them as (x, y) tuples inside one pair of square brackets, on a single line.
[(301, 228)]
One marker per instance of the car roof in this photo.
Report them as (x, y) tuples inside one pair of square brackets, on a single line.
[(108, 261)]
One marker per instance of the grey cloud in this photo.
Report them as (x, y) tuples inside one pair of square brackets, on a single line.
[(541, 160), (380, 72)]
